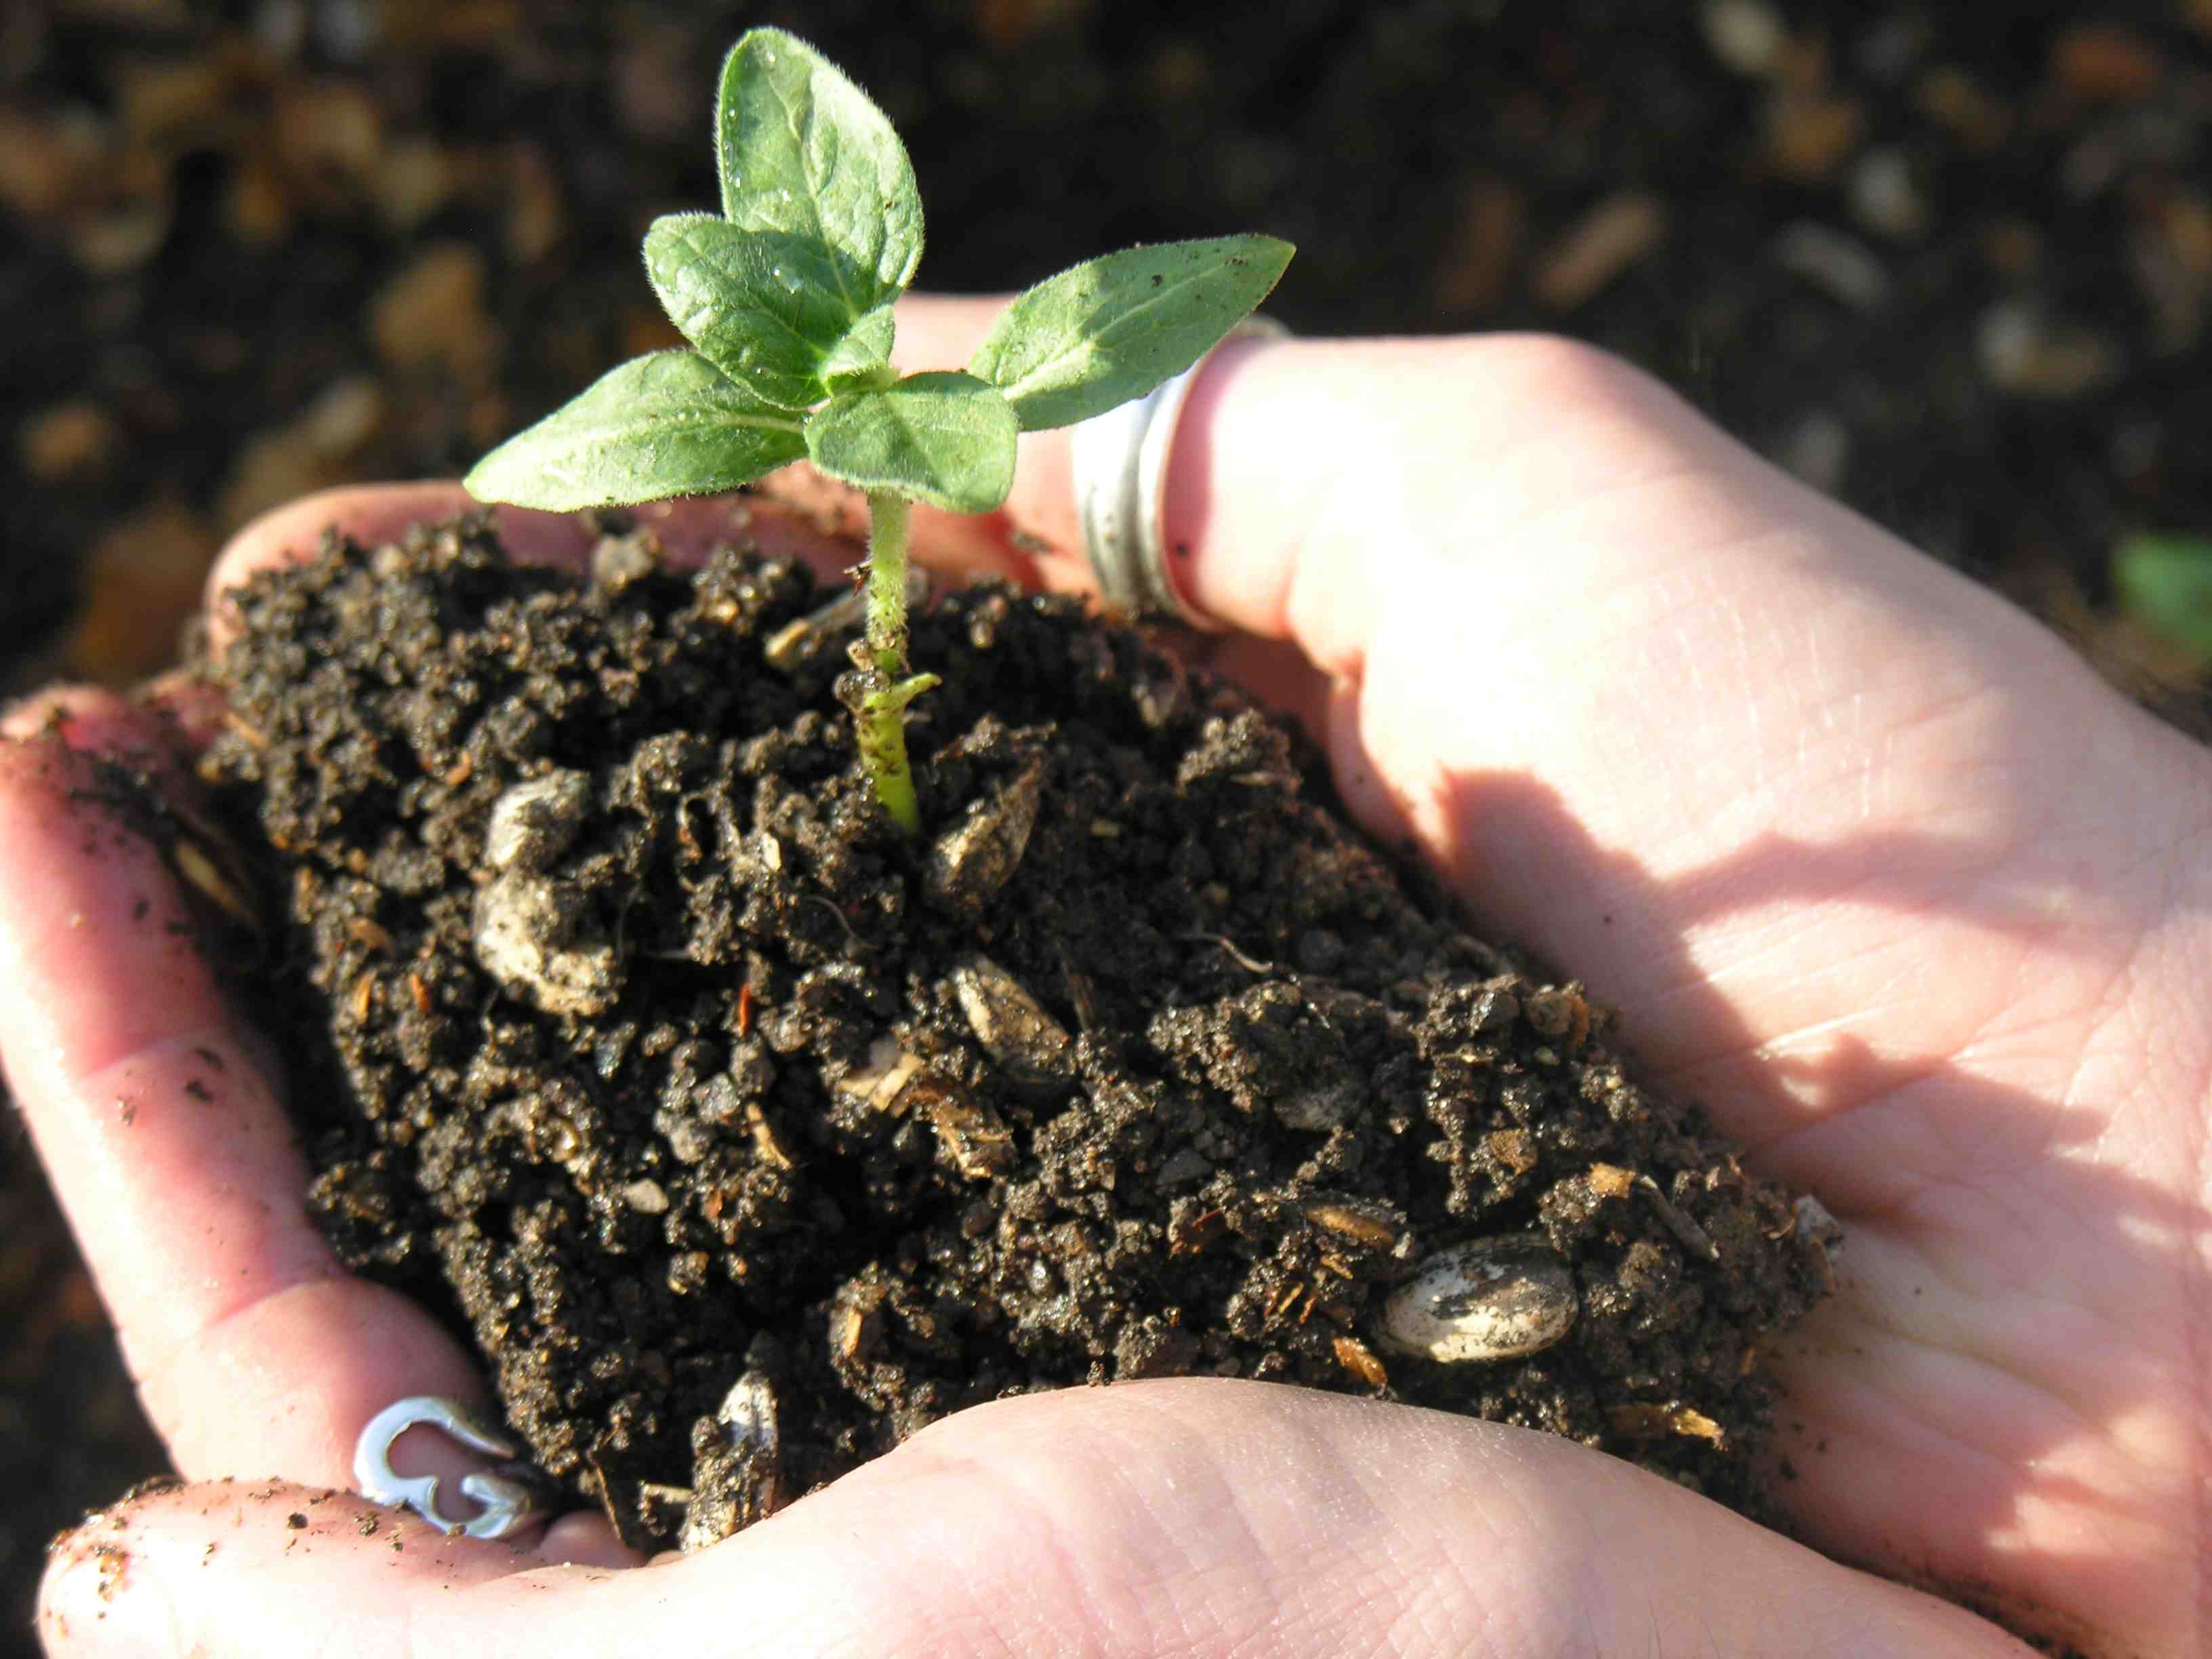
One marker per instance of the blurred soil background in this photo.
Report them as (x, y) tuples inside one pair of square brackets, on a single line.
[(1951, 263)]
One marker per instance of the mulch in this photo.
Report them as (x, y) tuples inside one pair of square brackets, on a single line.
[(1957, 274)]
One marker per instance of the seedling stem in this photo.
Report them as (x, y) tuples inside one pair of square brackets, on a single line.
[(882, 715)]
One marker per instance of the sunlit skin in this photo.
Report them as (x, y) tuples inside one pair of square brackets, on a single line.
[(1867, 862)]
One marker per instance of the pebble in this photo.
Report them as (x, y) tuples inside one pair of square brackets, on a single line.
[(1320, 1109), (527, 936), (1948, 95), (1818, 450), (533, 822), (1810, 135), (1884, 195), (431, 316), (345, 416), (327, 132), (2106, 62), (75, 440), (416, 178), (1844, 267), (48, 164), (1183, 1167), (1487, 1299), (316, 450), (2022, 351), (143, 578), (125, 232), (179, 101), (619, 560), (257, 209), (1601, 245), (1747, 35), (1889, 49)]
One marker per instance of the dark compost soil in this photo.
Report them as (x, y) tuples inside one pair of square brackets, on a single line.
[(648, 1046)]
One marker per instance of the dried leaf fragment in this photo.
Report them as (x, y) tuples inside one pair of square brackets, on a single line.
[(1359, 1359), (974, 1136), (1647, 1422)]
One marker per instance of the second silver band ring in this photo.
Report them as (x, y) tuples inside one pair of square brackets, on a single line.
[(1120, 465)]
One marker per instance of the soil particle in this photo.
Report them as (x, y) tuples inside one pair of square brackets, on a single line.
[(745, 1138)]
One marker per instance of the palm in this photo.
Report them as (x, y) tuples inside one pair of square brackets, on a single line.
[(1877, 872)]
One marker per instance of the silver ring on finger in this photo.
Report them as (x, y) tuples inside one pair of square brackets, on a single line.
[(1120, 465), (507, 1496)]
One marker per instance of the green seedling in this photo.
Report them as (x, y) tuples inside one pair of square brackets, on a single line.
[(787, 299)]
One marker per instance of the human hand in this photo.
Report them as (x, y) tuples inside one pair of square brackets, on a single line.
[(1865, 859)]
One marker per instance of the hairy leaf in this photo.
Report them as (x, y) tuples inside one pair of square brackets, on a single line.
[(866, 348), (947, 438), (760, 306), (804, 153), (1111, 329), (670, 424)]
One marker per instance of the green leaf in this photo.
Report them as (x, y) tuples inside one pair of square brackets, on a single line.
[(759, 305), (864, 350), (804, 153), (2166, 583), (947, 438), (667, 424), (1113, 328)]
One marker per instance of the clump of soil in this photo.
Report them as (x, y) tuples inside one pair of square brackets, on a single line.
[(745, 1136)]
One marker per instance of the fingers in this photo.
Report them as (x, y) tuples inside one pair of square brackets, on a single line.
[(165, 1138), (814, 524), (1206, 1519), (164, 1133)]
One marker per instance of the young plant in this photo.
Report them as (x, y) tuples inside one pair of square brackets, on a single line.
[(787, 301)]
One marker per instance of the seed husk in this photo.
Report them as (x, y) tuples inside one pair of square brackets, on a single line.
[(1484, 1299), (1029, 1044), (970, 862), (736, 1465)]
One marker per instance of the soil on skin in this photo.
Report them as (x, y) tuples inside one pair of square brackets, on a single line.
[(1137, 1063)]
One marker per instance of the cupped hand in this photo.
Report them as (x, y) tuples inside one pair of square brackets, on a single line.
[(1868, 862)]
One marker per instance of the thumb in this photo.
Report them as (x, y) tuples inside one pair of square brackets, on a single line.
[(1197, 1518)]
